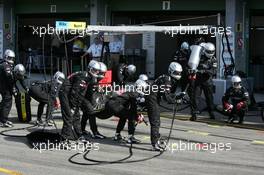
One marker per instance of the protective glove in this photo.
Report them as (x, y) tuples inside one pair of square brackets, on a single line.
[(140, 118), (56, 104), (192, 77), (240, 105), (228, 107), (180, 95)]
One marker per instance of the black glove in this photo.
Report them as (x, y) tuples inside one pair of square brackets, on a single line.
[(180, 95)]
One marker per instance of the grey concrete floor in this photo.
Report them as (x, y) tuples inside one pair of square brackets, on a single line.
[(219, 149)]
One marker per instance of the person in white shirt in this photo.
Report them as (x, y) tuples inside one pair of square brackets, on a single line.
[(115, 46), (95, 50)]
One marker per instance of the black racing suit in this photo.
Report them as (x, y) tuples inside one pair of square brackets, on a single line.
[(88, 108), (204, 82), (122, 75), (166, 86), (123, 106), (7, 88), (45, 93), (72, 94), (182, 58), (235, 96)]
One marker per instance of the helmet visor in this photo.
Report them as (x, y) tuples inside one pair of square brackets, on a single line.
[(60, 80), (210, 52), (176, 73), (94, 72), (237, 84), (101, 74), (10, 59)]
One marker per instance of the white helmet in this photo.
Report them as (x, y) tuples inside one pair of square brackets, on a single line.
[(59, 77), (94, 68), (141, 86), (103, 70), (185, 46), (131, 69), (236, 81), (19, 71), (202, 44), (209, 49), (143, 77), (175, 70), (9, 56)]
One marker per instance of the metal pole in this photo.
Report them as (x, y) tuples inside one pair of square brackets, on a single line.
[(218, 47)]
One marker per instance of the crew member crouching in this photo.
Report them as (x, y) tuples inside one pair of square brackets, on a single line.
[(46, 93), (235, 100)]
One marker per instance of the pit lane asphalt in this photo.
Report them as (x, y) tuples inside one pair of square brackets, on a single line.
[(245, 157)]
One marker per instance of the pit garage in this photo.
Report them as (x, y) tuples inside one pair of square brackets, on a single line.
[(159, 45), (256, 54), (30, 42), (136, 49), (202, 141)]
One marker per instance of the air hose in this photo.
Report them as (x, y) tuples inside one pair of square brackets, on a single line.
[(162, 140)]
